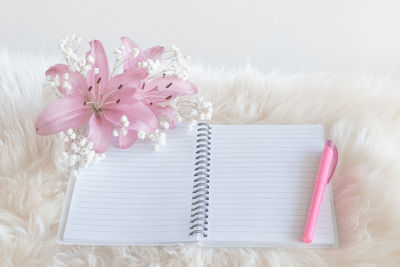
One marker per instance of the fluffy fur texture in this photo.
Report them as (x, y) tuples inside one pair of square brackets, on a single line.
[(361, 114)]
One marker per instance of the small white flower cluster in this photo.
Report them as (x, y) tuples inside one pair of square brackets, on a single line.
[(191, 126), (120, 59), (65, 84), (69, 46), (122, 128), (135, 52), (158, 139), (194, 109), (79, 151), (119, 53), (150, 65), (171, 63), (164, 124), (52, 84), (179, 62)]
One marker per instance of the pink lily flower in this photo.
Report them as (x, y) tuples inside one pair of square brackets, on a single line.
[(98, 101), (155, 93)]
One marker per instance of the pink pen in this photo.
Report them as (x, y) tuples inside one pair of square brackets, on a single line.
[(326, 168)]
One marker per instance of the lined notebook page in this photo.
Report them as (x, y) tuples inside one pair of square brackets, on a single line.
[(135, 196), (262, 179)]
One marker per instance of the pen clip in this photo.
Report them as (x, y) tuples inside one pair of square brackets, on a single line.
[(332, 146)]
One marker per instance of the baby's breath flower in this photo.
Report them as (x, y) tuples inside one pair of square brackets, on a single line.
[(79, 151)]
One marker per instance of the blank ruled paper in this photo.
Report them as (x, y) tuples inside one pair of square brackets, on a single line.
[(135, 196), (261, 183), (262, 178)]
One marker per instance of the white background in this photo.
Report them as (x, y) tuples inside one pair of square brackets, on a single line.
[(307, 35)]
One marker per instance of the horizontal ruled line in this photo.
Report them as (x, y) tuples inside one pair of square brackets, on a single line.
[(265, 182), (129, 180), (260, 232), (273, 153), (126, 159), (258, 160), (273, 219), (255, 201), (270, 143), (133, 183), (137, 186), (269, 209), (131, 232), (124, 209), (166, 201), (308, 173), (135, 192), (263, 198), (302, 168), (84, 219), (142, 170), (102, 197), (136, 214), (260, 214), (129, 226)]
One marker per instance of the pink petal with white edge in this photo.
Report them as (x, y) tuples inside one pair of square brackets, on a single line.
[(167, 88), (100, 80), (62, 114), (167, 111), (75, 79), (100, 132), (128, 140)]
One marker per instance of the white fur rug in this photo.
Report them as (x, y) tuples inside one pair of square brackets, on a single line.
[(361, 114)]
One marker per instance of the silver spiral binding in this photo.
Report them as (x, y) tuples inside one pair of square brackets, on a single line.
[(199, 208)]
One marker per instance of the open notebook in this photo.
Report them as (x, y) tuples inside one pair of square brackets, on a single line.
[(222, 185)]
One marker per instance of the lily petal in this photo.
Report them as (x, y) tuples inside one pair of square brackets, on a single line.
[(131, 62), (62, 114), (98, 81), (142, 118), (153, 53), (75, 79), (167, 88), (100, 132), (138, 114), (167, 111), (127, 81), (128, 140), (113, 112)]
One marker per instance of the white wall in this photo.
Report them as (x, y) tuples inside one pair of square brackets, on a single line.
[(310, 35)]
